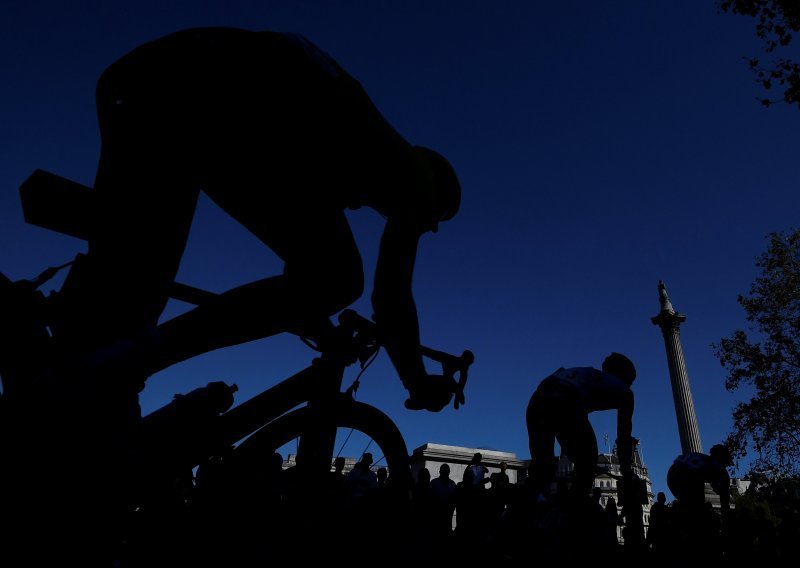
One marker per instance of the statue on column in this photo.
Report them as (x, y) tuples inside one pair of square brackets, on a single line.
[(666, 305)]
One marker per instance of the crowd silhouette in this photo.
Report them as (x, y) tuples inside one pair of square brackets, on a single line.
[(284, 514)]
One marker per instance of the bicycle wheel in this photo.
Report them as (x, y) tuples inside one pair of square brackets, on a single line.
[(312, 515), (348, 414)]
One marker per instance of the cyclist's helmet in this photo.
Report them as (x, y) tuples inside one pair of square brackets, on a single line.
[(721, 454), (620, 366), (447, 196)]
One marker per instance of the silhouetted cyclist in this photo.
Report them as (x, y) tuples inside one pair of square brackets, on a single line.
[(689, 473), (278, 135), (281, 138), (559, 410)]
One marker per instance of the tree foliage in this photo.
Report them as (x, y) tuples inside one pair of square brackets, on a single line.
[(766, 520), (776, 21), (767, 360)]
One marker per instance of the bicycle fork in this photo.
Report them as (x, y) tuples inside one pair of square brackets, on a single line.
[(317, 445)]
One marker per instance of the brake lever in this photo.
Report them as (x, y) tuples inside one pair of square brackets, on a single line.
[(466, 359)]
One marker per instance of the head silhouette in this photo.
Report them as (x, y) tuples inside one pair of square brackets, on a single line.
[(424, 475), (620, 366), (721, 454), (447, 188), (469, 477), (338, 463)]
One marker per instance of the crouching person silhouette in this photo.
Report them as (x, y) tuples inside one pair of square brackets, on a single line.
[(689, 473), (698, 528), (278, 135), (559, 410)]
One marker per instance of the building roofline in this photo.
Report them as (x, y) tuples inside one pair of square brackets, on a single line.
[(459, 454)]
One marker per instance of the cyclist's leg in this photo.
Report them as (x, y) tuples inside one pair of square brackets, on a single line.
[(541, 441), (579, 443), (322, 275), (145, 198)]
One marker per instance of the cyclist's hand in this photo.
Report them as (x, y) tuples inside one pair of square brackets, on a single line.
[(431, 392)]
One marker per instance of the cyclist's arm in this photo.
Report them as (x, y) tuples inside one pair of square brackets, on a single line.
[(720, 482), (624, 431), (393, 302)]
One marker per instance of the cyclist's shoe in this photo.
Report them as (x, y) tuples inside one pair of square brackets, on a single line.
[(432, 394)]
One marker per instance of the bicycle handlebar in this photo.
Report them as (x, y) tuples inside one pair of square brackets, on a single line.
[(451, 364)]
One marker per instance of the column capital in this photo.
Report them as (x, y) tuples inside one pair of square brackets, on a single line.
[(667, 321), (667, 318)]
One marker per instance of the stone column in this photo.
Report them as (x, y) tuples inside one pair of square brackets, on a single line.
[(669, 321)]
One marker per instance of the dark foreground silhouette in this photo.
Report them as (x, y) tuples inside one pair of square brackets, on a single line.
[(292, 517), (277, 134)]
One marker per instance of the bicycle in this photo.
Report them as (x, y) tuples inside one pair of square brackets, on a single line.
[(202, 424), (276, 416)]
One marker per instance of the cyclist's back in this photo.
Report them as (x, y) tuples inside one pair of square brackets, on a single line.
[(231, 104), (591, 388)]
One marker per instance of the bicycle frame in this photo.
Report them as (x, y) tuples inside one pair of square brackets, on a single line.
[(320, 386), (323, 379)]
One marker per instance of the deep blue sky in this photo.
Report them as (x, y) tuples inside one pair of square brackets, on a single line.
[(601, 146)]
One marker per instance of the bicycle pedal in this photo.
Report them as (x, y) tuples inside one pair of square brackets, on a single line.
[(414, 404)]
